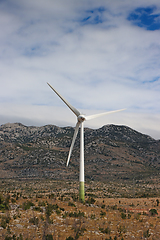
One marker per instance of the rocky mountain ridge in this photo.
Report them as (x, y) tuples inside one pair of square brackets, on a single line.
[(111, 152)]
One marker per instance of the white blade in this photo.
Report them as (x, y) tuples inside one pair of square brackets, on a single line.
[(76, 112), (101, 114), (73, 141)]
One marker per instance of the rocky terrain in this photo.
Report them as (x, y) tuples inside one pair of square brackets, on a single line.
[(39, 194), (111, 153), (50, 210)]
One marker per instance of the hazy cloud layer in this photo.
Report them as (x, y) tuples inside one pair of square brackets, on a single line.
[(100, 55)]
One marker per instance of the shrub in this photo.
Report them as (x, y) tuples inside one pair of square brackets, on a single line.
[(42, 218), (102, 214), (106, 230), (8, 238), (65, 214), (157, 202), (123, 215), (51, 196), (90, 200), (49, 237), (4, 203), (110, 238), (71, 204), (74, 197), (153, 212), (93, 216), (38, 209), (55, 206), (62, 209), (69, 238), (14, 237), (27, 205), (146, 234), (14, 216), (75, 214), (13, 200), (34, 220), (114, 207), (49, 209), (20, 237), (3, 223), (122, 210), (58, 211), (41, 204)]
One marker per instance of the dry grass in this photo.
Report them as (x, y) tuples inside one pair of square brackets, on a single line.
[(106, 218)]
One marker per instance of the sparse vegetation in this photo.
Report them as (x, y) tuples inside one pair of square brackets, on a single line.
[(61, 217)]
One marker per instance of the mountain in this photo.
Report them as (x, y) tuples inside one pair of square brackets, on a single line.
[(111, 153)]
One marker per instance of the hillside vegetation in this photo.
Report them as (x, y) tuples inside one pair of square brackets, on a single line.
[(112, 153)]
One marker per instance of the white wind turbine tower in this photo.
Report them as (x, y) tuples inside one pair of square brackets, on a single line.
[(80, 119)]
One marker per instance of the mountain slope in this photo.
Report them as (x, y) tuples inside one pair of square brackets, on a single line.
[(111, 153)]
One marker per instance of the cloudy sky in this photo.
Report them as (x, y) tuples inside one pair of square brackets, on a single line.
[(100, 55)]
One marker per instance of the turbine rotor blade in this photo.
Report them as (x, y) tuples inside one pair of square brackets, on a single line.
[(74, 110), (102, 114), (73, 141)]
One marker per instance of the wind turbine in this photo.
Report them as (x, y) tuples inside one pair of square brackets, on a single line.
[(80, 120)]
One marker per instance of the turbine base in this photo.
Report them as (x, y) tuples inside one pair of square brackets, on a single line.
[(81, 191)]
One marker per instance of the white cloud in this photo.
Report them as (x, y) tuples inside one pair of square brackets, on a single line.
[(97, 67)]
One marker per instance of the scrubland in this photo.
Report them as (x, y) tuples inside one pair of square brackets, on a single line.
[(47, 209)]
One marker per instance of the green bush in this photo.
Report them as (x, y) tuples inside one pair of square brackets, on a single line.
[(102, 214), (49, 237), (49, 210), (55, 206), (13, 200), (14, 216), (8, 238), (34, 220), (5, 220), (106, 230), (146, 234), (42, 218), (51, 196), (153, 212), (27, 205), (93, 216), (71, 204), (90, 200), (41, 204), (74, 197), (14, 237), (38, 209), (4, 203), (69, 238), (3, 223), (123, 215), (157, 202), (75, 214), (62, 209), (58, 211)]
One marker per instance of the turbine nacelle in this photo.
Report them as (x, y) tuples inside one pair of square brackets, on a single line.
[(81, 118)]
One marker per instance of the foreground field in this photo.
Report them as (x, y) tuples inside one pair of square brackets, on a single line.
[(51, 210)]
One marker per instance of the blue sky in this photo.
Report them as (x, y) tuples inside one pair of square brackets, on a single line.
[(100, 55)]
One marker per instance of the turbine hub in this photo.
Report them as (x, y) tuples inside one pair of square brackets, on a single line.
[(81, 118)]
